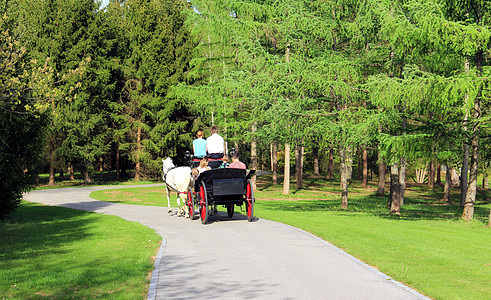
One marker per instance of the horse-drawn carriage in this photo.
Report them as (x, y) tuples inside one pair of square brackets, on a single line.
[(226, 187)]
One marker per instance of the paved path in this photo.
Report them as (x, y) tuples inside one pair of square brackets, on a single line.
[(235, 259)]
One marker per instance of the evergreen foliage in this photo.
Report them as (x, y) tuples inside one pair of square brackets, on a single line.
[(408, 77), (22, 116)]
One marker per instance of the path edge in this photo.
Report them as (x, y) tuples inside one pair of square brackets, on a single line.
[(367, 266), (152, 289)]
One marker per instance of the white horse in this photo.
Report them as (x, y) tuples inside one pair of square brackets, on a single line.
[(177, 179)]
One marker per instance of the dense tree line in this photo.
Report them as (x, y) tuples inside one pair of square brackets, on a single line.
[(394, 84), (407, 78), (91, 85)]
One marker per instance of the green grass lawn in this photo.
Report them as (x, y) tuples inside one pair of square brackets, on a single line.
[(428, 247), (98, 178), (154, 196), (59, 253)]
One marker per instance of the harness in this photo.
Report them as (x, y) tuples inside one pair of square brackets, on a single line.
[(165, 174), (169, 185)]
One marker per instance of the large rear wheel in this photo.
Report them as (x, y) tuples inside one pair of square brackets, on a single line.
[(203, 204), (190, 203), (249, 201)]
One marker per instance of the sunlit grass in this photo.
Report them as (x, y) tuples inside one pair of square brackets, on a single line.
[(59, 253), (154, 196), (98, 178), (427, 247)]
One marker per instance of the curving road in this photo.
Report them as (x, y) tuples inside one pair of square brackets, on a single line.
[(235, 259)]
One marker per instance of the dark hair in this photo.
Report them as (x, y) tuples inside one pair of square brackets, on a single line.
[(235, 155), (214, 129)]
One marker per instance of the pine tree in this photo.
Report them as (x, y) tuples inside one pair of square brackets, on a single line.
[(159, 50)]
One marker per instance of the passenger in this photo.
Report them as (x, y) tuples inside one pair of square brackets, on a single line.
[(203, 165), (236, 163), (195, 173), (215, 145), (199, 145), (225, 163)]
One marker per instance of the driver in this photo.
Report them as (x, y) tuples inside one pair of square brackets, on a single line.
[(215, 145)]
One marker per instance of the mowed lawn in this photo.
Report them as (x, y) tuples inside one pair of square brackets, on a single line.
[(428, 247), (59, 253)]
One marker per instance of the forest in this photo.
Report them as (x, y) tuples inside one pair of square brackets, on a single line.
[(340, 88)]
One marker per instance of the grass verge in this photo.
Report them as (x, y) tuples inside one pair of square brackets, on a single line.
[(59, 253), (428, 247), (98, 178)]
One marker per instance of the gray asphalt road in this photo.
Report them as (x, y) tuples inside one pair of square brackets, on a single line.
[(235, 259)]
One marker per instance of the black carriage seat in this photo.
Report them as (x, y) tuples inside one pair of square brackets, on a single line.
[(224, 182), (194, 163), (214, 163)]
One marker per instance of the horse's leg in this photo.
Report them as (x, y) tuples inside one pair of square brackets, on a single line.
[(185, 209), (168, 199)]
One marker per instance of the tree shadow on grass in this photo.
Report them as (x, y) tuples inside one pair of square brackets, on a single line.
[(415, 208), (43, 254), (36, 228)]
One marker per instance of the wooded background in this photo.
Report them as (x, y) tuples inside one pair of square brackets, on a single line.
[(342, 89)]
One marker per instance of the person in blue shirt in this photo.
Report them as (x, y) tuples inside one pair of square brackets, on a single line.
[(199, 145)]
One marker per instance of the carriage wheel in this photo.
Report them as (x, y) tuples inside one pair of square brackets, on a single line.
[(190, 204), (249, 201), (203, 204), (230, 210)]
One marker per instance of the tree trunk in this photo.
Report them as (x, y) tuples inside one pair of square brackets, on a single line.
[(465, 161), (420, 175), (87, 175), (464, 175), (271, 155), (395, 190), (345, 175), (51, 181), (253, 157), (402, 181), (359, 170), (298, 166), (470, 198), (315, 151), (489, 223), (439, 174), (431, 175), (101, 164), (51, 142), (381, 176), (72, 172), (448, 185), (117, 162), (302, 156), (485, 182), (138, 152), (455, 178), (330, 166), (274, 160), (364, 181), (286, 175), (262, 159)]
